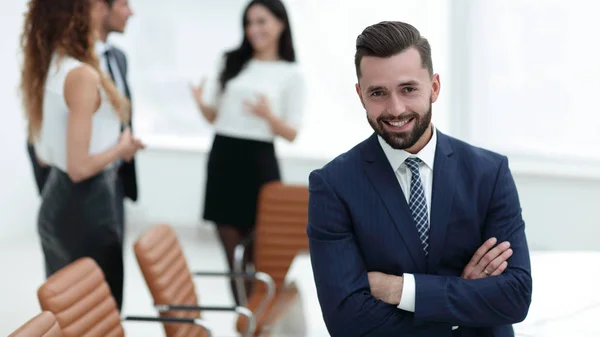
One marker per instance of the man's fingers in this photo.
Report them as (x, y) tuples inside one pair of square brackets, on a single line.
[(493, 254), (495, 263), (481, 251), (501, 268)]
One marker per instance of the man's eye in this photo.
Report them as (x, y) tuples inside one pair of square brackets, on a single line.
[(408, 90), (377, 93)]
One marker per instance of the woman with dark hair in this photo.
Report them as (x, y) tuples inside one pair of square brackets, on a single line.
[(74, 115), (258, 96)]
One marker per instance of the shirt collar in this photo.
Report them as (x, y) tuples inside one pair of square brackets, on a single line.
[(101, 47), (397, 157)]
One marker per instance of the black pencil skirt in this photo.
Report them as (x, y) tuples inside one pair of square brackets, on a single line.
[(78, 220), (237, 168)]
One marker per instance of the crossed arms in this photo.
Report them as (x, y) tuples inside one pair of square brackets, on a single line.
[(349, 307)]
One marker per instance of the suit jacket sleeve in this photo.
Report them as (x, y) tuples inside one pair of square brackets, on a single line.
[(340, 274), (491, 301)]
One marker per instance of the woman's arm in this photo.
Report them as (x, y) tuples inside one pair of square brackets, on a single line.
[(83, 99), (209, 112), (281, 128), (294, 97)]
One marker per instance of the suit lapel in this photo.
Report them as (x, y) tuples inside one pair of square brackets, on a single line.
[(442, 196), (386, 184), (120, 58), (122, 71)]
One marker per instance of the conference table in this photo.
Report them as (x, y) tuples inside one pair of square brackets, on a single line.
[(565, 300)]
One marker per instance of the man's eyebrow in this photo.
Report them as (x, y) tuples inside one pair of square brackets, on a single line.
[(375, 88), (409, 83)]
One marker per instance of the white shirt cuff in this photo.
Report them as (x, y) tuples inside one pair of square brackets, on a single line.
[(407, 300), (409, 294)]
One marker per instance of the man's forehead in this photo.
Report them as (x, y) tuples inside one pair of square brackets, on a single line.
[(394, 71), (405, 61)]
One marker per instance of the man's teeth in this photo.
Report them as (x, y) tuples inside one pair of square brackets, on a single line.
[(399, 124)]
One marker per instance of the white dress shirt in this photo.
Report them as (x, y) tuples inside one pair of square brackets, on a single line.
[(397, 159)]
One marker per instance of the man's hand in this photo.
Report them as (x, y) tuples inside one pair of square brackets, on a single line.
[(487, 261), (387, 288)]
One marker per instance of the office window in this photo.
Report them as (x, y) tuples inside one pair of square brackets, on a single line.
[(534, 78)]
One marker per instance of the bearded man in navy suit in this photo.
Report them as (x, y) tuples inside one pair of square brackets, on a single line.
[(413, 232)]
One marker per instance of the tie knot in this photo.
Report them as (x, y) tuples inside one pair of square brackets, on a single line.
[(413, 164)]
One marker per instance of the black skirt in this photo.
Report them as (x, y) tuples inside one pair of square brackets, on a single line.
[(80, 220), (237, 169)]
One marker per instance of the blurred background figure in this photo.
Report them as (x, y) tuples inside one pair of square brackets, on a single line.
[(114, 63), (74, 114), (259, 95)]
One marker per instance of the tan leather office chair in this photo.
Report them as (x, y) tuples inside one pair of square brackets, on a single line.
[(280, 234), (42, 325), (169, 279), (80, 298)]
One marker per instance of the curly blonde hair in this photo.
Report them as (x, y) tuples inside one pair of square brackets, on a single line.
[(64, 27)]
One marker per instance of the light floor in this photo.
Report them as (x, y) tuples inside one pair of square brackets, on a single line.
[(565, 288), (21, 265)]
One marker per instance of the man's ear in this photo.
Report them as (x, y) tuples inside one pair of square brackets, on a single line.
[(435, 87), (357, 86)]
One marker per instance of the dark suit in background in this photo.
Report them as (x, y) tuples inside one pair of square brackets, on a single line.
[(39, 172), (359, 221), (127, 181)]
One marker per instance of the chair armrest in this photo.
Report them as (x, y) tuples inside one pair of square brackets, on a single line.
[(238, 263), (195, 321), (250, 329), (259, 276)]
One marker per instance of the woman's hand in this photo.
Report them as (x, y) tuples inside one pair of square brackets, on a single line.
[(261, 108), (197, 92), (128, 145)]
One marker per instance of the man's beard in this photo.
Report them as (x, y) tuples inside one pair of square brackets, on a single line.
[(404, 139)]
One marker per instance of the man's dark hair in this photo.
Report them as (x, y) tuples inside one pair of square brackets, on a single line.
[(388, 38)]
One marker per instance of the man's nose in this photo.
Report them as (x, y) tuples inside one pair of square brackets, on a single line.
[(396, 105)]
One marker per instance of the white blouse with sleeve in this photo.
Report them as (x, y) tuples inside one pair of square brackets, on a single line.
[(280, 81)]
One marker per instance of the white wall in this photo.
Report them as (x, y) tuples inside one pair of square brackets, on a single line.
[(18, 200), (193, 37), (534, 70)]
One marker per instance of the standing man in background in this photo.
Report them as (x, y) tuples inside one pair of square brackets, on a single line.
[(114, 62)]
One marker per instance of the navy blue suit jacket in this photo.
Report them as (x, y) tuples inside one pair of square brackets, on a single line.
[(359, 221)]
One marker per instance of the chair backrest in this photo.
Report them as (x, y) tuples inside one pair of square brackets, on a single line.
[(280, 228), (161, 260), (42, 325), (80, 298)]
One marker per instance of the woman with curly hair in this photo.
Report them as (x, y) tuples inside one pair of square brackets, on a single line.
[(74, 114)]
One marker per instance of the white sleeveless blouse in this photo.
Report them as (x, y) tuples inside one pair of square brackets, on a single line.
[(51, 147)]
